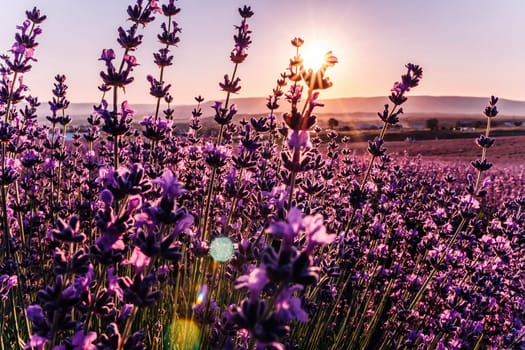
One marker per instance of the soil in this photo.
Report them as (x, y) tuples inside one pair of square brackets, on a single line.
[(507, 150)]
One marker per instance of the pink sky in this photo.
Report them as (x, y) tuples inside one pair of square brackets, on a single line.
[(467, 47)]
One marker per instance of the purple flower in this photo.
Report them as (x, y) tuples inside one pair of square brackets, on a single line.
[(215, 156), (134, 203), (106, 197), (142, 15), (157, 89), (223, 116), (113, 285), (298, 139), (137, 290), (34, 16), (409, 80), (315, 232), (491, 110), (81, 341), (169, 38), (129, 39), (107, 56), (36, 342), (6, 283), (230, 86), (162, 59), (255, 281), (311, 226), (69, 232), (288, 231), (290, 307), (138, 259), (246, 11), (170, 9)]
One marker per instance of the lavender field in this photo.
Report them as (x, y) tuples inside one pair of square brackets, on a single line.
[(274, 233)]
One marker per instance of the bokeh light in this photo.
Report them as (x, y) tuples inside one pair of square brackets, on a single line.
[(221, 249), (182, 335)]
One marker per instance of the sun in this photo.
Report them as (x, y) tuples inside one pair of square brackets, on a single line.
[(313, 55)]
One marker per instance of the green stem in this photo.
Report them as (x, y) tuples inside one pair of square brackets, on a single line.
[(5, 220), (4, 188), (369, 170), (115, 138), (377, 316), (296, 162), (292, 186), (373, 158), (483, 157), (20, 216), (272, 301), (234, 201), (226, 103), (10, 99), (127, 328), (62, 148), (208, 205), (91, 308), (479, 342), (14, 312)]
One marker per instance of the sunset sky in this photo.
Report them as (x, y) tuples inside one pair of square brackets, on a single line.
[(466, 47)]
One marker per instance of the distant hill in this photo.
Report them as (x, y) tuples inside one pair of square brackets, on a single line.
[(415, 104), (427, 105)]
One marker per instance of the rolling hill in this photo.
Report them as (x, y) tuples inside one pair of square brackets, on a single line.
[(357, 107)]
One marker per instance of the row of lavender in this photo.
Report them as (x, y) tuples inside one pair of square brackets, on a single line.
[(255, 239)]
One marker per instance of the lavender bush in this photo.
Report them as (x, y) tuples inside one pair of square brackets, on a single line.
[(269, 235)]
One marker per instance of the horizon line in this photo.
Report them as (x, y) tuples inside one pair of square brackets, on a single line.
[(321, 99)]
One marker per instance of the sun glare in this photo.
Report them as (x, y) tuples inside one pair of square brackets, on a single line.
[(313, 55)]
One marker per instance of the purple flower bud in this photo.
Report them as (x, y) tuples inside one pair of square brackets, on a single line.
[(6, 283), (107, 56), (230, 86), (138, 259), (246, 12), (298, 139), (34, 16), (81, 341), (36, 342), (255, 281), (170, 9), (106, 197)]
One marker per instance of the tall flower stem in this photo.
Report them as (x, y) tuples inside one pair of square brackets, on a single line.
[(226, 103), (20, 215), (297, 150), (5, 189), (115, 137), (293, 176), (5, 219), (373, 157), (209, 198), (62, 149), (127, 328), (234, 201), (161, 74), (10, 99), (483, 154)]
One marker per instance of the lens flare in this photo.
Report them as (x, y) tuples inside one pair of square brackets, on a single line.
[(221, 249), (182, 335), (202, 295)]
